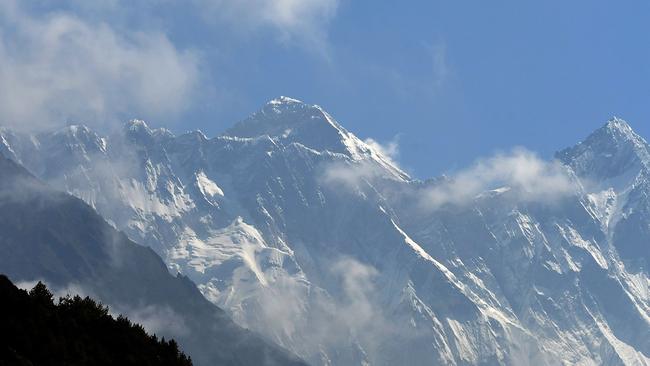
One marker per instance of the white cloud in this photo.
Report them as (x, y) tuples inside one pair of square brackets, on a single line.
[(351, 174), (527, 176), (156, 319), (300, 21), (357, 309), (56, 67), (389, 150), (440, 66), (291, 308)]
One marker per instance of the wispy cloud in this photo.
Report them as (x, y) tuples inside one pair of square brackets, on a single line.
[(521, 171), (525, 176), (56, 67), (334, 322), (293, 21), (439, 63), (156, 319), (389, 149), (351, 174), (357, 280)]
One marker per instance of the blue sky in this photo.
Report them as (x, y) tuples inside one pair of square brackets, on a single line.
[(451, 81)]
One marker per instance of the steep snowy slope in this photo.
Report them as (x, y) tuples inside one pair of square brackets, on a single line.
[(563, 269), (52, 236), (307, 234)]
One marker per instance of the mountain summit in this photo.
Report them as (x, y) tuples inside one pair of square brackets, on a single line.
[(611, 151), (288, 120), (283, 117)]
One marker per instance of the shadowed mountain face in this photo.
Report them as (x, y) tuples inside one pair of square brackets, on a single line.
[(303, 232), (51, 236)]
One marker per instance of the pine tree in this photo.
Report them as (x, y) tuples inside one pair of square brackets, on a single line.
[(41, 294)]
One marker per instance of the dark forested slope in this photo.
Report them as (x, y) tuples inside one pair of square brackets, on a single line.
[(36, 330)]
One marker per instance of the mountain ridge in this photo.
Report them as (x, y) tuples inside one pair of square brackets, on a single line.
[(298, 238)]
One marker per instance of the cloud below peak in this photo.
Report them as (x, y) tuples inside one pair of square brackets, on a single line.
[(521, 171), (524, 175), (389, 150), (350, 174)]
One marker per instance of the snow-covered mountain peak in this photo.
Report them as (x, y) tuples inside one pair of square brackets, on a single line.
[(288, 120), (281, 117), (619, 132), (137, 126), (138, 130), (284, 100), (75, 137), (619, 126), (612, 151)]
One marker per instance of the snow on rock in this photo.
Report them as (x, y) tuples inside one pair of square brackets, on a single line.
[(354, 274), (208, 187)]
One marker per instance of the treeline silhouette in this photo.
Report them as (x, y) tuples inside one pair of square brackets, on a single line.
[(35, 330)]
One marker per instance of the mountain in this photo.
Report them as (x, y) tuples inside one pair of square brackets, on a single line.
[(612, 151), (74, 331), (52, 236), (614, 165), (316, 239)]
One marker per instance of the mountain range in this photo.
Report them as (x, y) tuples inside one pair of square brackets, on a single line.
[(321, 243)]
